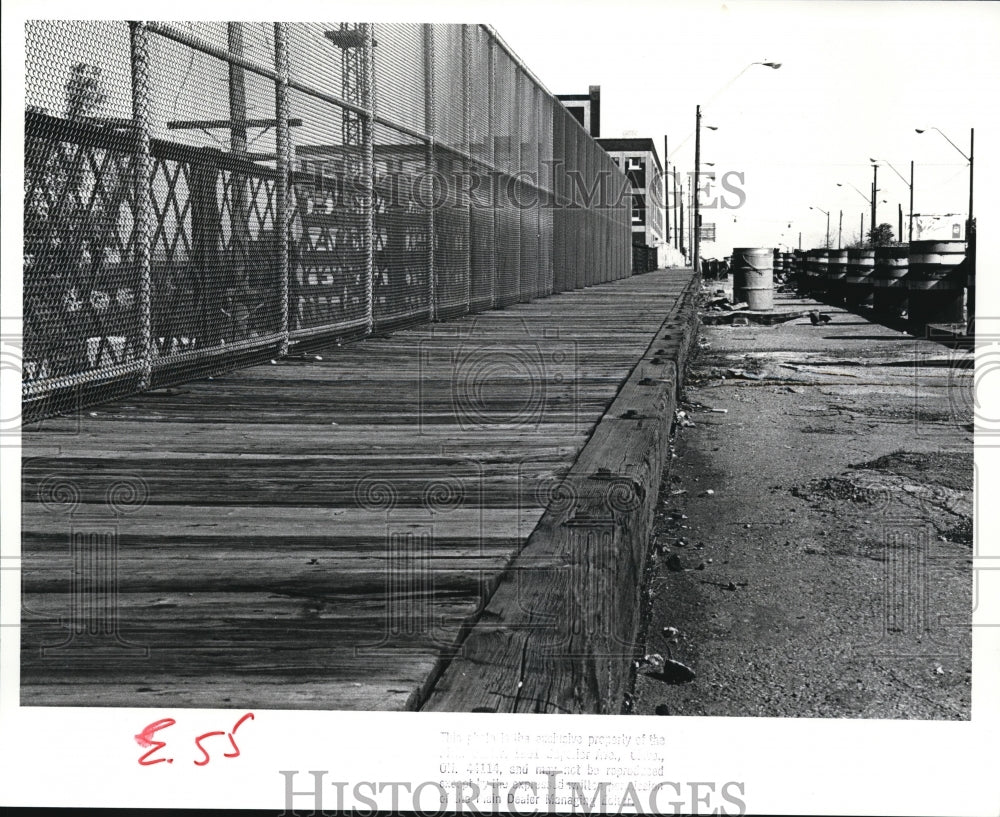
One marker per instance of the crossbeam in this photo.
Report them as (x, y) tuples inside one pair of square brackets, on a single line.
[(204, 124)]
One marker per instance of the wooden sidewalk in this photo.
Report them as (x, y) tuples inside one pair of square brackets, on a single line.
[(317, 534)]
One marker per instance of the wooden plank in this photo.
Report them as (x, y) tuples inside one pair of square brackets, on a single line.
[(286, 514), (560, 630)]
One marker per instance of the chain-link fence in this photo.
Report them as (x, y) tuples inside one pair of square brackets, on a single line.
[(199, 196)]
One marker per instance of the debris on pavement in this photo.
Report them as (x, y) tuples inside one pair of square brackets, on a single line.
[(744, 374), (673, 672)]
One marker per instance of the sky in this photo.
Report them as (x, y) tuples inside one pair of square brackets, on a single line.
[(856, 79)]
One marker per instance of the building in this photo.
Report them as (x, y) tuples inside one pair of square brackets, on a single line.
[(640, 162), (585, 108)]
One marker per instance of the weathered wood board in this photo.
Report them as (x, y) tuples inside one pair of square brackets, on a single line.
[(317, 533)]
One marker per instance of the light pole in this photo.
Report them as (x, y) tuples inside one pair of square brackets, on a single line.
[(874, 199), (827, 214), (666, 192), (970, 225), (970, 159), (908, 184), (696, 235), (870, 201)]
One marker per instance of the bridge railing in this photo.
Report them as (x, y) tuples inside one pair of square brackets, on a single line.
[(201, 196)]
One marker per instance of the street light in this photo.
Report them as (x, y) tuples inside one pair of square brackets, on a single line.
[(908, 184), (871, 202), (827, 214), (868, 200), (970, 159), (696, 254)]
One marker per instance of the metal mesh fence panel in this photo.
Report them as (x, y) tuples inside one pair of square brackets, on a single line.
[(545, 174), (327, 264), (402, 229), (526, 199), (451, 235), (196, 195), (401, 74), (450, 200), (506, 141), (560, 266), (215, 290), (82, 279), (482, 217)]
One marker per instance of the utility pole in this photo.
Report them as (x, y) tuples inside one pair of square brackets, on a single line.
[(874, 199), (677, 222), (680, 223), (972, 159), (840, 228), (666, 192), (910, 238), (900, 233), (696, 233)]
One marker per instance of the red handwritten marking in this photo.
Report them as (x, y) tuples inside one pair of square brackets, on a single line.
[(239, 723), (145, 739), (231, 735), (198, 741)]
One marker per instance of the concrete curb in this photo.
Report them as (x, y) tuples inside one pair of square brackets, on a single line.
[(560, 630)]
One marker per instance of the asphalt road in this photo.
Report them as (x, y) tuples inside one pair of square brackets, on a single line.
[(812, 550)]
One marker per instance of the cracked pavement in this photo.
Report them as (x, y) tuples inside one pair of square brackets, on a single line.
[(813, 541)]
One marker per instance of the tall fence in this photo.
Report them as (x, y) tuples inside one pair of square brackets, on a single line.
[(201, 196)]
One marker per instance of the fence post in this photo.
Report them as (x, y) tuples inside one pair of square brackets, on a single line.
[(368, 142), (467, 146), (494, 177), (139, 47), (282, 183), (429, 127)]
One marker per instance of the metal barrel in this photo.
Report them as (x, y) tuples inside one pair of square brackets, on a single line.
[(753, 276), (936, 281), (778, 262), (788, 262), (860, 267), (892, 264), (936, 265), (970, 292), (801, 269), (821, 260), (836, 273)]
